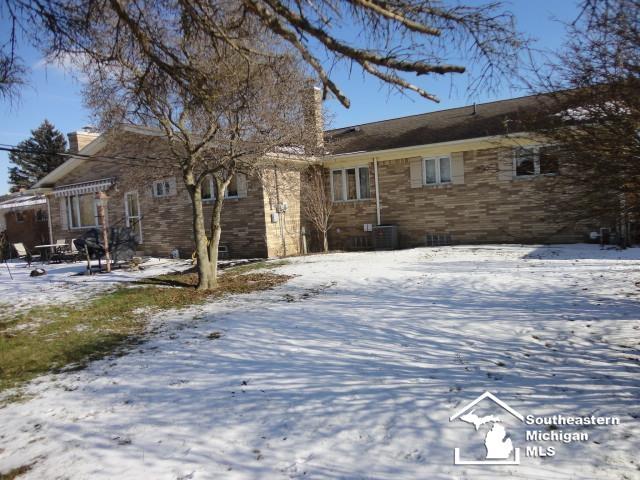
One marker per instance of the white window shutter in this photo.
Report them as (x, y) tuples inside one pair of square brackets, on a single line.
[(457, 168), (505, 165), (241, 182), (415, 172), (64, 224)]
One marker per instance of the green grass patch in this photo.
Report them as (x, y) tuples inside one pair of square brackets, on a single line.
[(251, 267), (51, 338)]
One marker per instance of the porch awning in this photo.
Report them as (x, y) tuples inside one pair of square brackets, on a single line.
[(84, 187), (22, 202)]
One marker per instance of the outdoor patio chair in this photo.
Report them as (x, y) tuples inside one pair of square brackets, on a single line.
[(58, 253), (24, 254), (72, 254)]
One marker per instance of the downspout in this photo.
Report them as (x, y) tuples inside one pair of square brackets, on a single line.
[(49, 219), (375, 175)]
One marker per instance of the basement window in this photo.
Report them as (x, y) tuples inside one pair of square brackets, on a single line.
[(349, 184)]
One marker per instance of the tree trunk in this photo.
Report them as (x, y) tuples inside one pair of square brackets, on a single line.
[(199, 234), (216, 231), (325, 242)]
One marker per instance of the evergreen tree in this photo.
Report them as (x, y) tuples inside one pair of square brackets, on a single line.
[(36, 156)]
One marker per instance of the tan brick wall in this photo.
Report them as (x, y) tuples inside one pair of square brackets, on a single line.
[(283, 236), (484, 209), (166, 222), (350, 217)]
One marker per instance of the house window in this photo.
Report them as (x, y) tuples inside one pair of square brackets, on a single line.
[(132, 214), (549, 160), (350, 184), (437, 170), (336, 182), (82, 211), (209, 188), (162, 188), (41, 216), (530, 161), (19, 217), (232, 188)]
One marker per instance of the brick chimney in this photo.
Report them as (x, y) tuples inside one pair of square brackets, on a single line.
[(81, 138), (314, 121)]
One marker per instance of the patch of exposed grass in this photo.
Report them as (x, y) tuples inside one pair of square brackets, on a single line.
[(50, 338), (16, 472), (250, 267), (231, 280)]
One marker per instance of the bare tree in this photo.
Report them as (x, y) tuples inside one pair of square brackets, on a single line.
[(317, 204), (12, 70), (253, 110), (391, 41), (592, 114), (147, 46)]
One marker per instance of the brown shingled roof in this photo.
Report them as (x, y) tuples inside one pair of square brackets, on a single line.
[(493, 118)]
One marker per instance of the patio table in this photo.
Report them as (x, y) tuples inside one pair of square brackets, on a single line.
[(47, 249)]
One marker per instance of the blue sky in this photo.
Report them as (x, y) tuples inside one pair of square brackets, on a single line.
[(55, 95)]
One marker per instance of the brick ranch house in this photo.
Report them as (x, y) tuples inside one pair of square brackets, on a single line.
[(156, 204), (449, 174)]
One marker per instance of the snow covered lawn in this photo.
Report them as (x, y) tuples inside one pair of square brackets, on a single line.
[(65, 282), (352, 370)]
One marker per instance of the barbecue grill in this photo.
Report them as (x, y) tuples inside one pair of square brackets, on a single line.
[(122, 244)]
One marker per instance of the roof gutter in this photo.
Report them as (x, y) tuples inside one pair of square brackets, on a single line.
[(406, 152), (39, 190)]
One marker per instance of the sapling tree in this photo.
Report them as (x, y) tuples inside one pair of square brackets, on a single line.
[(317, 204)]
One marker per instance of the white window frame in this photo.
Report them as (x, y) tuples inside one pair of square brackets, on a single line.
[(213, 190), (438, 177), (212, 186), (166, 188), (226, 190), (344, 184), (536, 161), (69, 205), (129, 217)]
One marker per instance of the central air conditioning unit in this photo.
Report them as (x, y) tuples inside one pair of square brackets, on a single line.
[(385, 237)]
